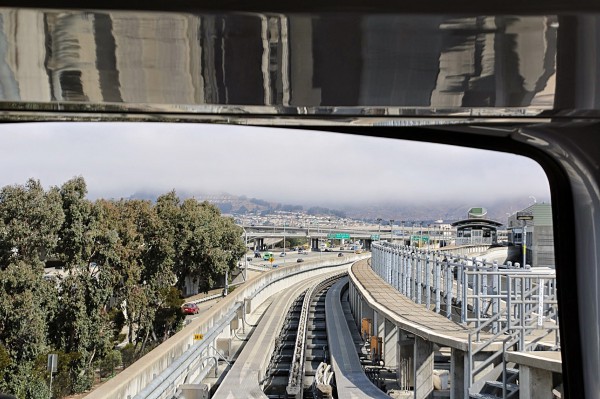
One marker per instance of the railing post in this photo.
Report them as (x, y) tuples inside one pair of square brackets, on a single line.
[(522, 314), (484, 288), (397, 268), (509, 310), (476, 291), (437, 288), (495, 300), (428, 281), (419, 284), (465, 285), (388, 266), (409, 277), (449, 284), (404, 269)]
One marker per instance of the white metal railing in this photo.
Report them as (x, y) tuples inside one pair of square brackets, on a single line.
[(513, 306)]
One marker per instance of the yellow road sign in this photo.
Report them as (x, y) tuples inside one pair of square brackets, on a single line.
[(198, 337), (271, 259)]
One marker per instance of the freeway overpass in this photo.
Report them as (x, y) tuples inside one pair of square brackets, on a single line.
[(259, 233)]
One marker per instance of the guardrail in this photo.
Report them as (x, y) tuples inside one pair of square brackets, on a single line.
[(513, 306)]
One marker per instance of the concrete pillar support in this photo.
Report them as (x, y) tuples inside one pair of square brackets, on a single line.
[(379, 325), (458, 374), (534, 383), (390, 340), (423, 370)]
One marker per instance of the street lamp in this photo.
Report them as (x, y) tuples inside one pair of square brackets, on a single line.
[(428, 235), (379, 225), (402, 227), (245, 273), (524, 216), (391, 230)]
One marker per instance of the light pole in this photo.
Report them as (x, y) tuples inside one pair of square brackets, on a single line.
[(524, 216), (245, 273), (402, 227), (391, 230), (329, 235), (428, 235), (379, 226)]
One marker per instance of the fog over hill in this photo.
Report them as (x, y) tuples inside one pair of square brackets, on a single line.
[(444, 210)]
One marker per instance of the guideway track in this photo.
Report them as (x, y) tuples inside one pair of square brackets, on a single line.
[(245, 377), (296, 377), (350, 378)]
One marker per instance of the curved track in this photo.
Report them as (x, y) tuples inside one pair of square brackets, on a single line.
[(248, 372)]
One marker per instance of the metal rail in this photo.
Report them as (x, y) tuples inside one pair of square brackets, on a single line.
[(296, 377)]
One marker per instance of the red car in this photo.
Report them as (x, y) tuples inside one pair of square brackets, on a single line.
[(190, 308)]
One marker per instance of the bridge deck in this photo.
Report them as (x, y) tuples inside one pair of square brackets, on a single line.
[(350, 379), (406, 314)]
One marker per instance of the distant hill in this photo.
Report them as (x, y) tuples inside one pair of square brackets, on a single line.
[(447, 211), (229, 204)]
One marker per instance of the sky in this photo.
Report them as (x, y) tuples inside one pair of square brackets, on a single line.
[(288, 166)]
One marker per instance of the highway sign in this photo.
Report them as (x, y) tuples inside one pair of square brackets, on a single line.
[(271, 259), (339, 236), (52, 363), (420, 238), (524, 216), (374, 236), (198, 337)]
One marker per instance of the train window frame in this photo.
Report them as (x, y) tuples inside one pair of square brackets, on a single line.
[(561, 144)]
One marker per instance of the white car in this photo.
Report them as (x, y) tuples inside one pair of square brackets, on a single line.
[(282, 254)]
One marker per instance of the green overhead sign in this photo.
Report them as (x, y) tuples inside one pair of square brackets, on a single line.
[(420, 238), (339, 236), (375, 237)]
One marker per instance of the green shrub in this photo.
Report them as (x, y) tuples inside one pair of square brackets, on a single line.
[(108, 364), (128, 355)]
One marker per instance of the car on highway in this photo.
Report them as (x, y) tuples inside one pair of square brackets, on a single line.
[(299, 260), (282, 254), (340, 255), (190, 308)]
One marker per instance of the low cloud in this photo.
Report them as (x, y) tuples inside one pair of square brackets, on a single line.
[(291, 166)]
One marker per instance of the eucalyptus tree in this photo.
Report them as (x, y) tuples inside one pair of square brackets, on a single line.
[(207, 244), (30, 219)]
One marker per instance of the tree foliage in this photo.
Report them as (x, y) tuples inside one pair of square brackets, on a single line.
[(124, 262)]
